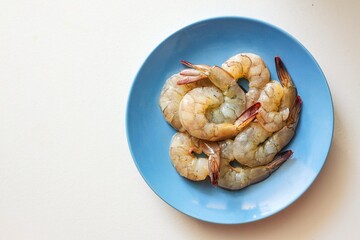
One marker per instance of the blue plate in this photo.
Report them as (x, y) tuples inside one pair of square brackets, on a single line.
[(212, 42)]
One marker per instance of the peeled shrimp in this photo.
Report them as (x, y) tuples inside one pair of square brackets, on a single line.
[(231, 96), (209, 113), (235, 178), (171, 95), (251, 67), (256, 146), (187, 164), (276, 100)]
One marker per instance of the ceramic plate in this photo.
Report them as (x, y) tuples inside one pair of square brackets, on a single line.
[(212, 42)]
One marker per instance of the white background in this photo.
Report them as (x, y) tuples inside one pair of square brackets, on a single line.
[(66, 68)]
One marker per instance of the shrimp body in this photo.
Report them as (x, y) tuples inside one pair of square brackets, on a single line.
[(251, 67), (277, 99), (256, 146), (197, 116), (171, 95), (187, 164), (209, 112), (277, 120), (235, 178)]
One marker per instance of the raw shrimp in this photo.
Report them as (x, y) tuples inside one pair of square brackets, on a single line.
[(255, 146), (251, 67), (231, 97), (171, 95), (209, 113), (187, 164), (193, 117), (235, 178), (276, 100)]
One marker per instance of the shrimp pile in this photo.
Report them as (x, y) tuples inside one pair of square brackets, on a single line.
[(230, 136)]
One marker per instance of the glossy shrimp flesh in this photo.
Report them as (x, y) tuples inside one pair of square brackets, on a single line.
[(238, 177), (193, 116), (251, 67), (209, 113), (231, 96), (277, 99), (256, 146), (171, 95), (183, 150), (189, 165)]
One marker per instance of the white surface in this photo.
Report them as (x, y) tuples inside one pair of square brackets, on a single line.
[(66, 68)]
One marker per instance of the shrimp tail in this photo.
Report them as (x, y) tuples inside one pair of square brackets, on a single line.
[(295, 111), (282, 73), (198, 67), (189, 79), (248, 115), (279, 160), (194, 74), (214, 168), (212, 149)]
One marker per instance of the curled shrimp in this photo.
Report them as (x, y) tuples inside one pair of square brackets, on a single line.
[(209, 113), (251, 67), (277, 99), (238, 177), (187, 164), (193, 116), (171, 95), (231, 96), (262, 140), (256, 146)]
